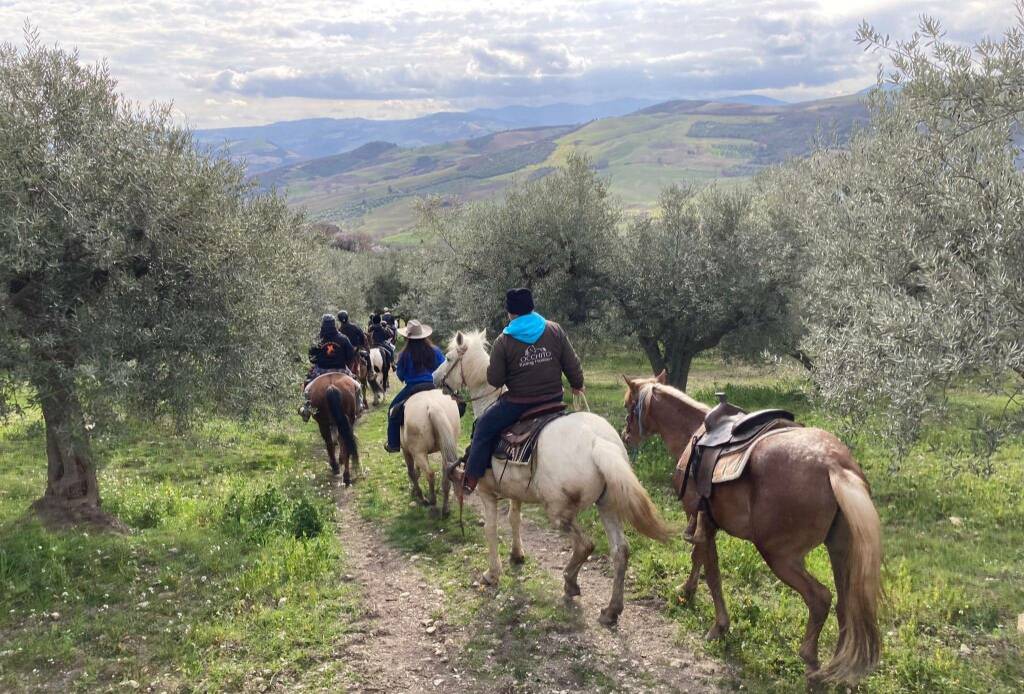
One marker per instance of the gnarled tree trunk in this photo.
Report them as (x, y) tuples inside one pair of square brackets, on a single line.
[(72, 492)]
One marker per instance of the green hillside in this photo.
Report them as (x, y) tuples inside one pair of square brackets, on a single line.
[(374, 188)]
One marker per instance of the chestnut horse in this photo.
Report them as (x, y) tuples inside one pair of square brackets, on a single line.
[(801, 488), (334, 395)]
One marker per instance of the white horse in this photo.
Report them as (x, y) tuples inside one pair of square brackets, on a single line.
[(580, 460), (431, 425), (376, 376)]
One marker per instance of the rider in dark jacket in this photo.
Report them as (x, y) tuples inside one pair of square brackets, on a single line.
[(331, 352), (352, 331), (380, 336)]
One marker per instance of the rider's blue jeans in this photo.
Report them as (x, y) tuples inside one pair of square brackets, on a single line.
[(501, 415)]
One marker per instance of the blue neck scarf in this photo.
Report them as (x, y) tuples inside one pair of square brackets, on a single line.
[(527, 329)]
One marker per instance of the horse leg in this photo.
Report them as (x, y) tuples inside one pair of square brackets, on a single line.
[(791, 570), (581, 549), (690, 587), (414, 481), (515, 521), (713, 578), (837, 545), (618, 547), (490, 504), (446, 488), (424, 465), (328, 436)]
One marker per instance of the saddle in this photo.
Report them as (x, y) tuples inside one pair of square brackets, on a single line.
[(719, 451), (518, 443)]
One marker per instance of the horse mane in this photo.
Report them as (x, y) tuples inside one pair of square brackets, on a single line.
[(677, 394)]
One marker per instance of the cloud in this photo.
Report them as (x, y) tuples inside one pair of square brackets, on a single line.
[(306, 57)]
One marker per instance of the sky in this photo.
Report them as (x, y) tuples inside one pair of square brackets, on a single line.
[(244, 63)]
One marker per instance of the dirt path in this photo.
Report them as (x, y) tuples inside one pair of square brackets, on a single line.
[(398, 645), (644, 643)]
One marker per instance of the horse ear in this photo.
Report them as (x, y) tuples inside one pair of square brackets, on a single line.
[(662, 378), (629, 383), (459, 338)]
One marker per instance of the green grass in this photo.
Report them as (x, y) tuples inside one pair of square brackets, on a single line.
[(231, 571), (231, 504)]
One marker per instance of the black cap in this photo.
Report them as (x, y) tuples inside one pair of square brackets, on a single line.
[(343, 316), (519, 301)]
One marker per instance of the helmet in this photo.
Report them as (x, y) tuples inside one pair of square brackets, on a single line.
[(343, 316)]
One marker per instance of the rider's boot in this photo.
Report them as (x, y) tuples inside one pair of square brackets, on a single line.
[(306, 411)]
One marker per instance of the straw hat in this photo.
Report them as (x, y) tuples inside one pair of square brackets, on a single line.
[(414, 330)]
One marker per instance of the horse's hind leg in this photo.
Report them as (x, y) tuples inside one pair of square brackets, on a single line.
[(446, 488), (423, 464), (791, 570), (581, 549), (515, 522), (713, 577), (326, 431), (414, 482), (619, 551)]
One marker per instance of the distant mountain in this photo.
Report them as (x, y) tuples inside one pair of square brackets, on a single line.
[(752, 99), (265, 147), (373, 189)]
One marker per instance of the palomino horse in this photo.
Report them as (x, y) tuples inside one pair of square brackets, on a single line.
[(431, 426), (801, 488), (579, 461), (334, 395)]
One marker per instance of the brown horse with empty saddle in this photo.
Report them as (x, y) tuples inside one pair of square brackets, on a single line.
[(334, 395), (797, 487)]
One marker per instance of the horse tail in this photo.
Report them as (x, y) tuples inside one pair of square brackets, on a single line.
[(443, 432), (626, 495), (860, 584), (348, 437)]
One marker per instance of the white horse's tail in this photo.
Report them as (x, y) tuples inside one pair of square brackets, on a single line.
[(625, 494), (443, 431)]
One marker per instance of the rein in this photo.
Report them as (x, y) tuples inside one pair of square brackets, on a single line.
[(447, 389)]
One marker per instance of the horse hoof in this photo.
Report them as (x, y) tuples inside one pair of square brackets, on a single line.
[(517, 559), (608, 618), (335, 470), (347, 479), (716, 632), (487, 580), (572, 589)]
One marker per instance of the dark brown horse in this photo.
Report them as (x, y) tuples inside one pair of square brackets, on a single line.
[(334, 397), (801, 488)]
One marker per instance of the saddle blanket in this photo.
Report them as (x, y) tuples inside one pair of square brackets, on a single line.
[(731, 464)]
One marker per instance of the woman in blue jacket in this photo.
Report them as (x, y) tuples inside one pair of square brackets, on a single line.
[(415, 367)]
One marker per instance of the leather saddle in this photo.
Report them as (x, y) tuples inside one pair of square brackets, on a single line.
[(727, 430), (518, 442)]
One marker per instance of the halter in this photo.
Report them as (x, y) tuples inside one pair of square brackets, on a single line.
[(643, 402)]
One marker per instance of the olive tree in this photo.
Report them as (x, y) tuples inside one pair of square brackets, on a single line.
[(137, 275), (916, 235), (712, 265), (554, 235)]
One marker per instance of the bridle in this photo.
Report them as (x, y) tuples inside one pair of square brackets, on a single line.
[(639, 409), (447, 389)]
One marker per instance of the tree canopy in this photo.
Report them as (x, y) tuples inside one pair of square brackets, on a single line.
[(137, 273)]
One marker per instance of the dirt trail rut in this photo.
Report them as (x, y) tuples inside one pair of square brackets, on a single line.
[(403, 644), (398, 646), (644, 641)]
